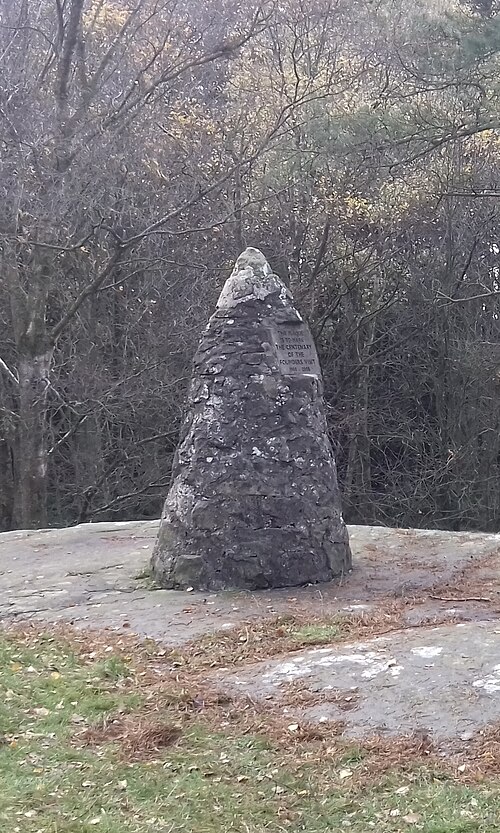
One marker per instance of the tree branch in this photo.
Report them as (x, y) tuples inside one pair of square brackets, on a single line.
[(86, 291), (69, 433), (13, 378), (492, 294)]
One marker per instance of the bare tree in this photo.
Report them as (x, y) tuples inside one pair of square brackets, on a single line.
[(79, 81), (355, 142)]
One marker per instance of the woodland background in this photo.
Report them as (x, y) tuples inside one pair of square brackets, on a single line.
[(144, 144)]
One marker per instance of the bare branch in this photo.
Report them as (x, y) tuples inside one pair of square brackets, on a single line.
[(30, 29), (86, 291), (12, 376), (69, 433), (54, 246), (159, 484), (494, 293)]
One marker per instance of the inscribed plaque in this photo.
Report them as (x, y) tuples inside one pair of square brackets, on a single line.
[(295, 350)]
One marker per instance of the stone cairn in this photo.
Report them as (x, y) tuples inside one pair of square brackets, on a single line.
[(254, 501)]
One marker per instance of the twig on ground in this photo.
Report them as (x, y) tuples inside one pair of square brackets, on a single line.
[(466, 599)]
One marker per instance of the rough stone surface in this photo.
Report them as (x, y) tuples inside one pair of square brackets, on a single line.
[(254, 501), (444, 681), (92, 575)]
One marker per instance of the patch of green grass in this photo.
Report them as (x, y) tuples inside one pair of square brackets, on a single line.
[(115, 668), (317, 634), (417, 802), (213, 779), (352, 755)]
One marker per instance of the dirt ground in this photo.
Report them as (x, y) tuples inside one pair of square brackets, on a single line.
[(436, 670)]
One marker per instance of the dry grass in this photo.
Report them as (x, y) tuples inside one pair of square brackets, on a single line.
[(482, 757), (478, 582), (248, 642), (177, 693), (254, 641), (138, 739)]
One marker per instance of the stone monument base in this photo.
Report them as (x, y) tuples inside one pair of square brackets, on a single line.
[(262, 559)]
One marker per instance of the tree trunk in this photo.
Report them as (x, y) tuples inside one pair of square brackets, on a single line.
[(32, 463), (6, 491), (358, 483)]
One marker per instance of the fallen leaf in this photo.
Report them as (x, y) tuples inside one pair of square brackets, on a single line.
[(55, 675), (412, 818), (345, 773), (41, 712), (402, 791), (293, 727)]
